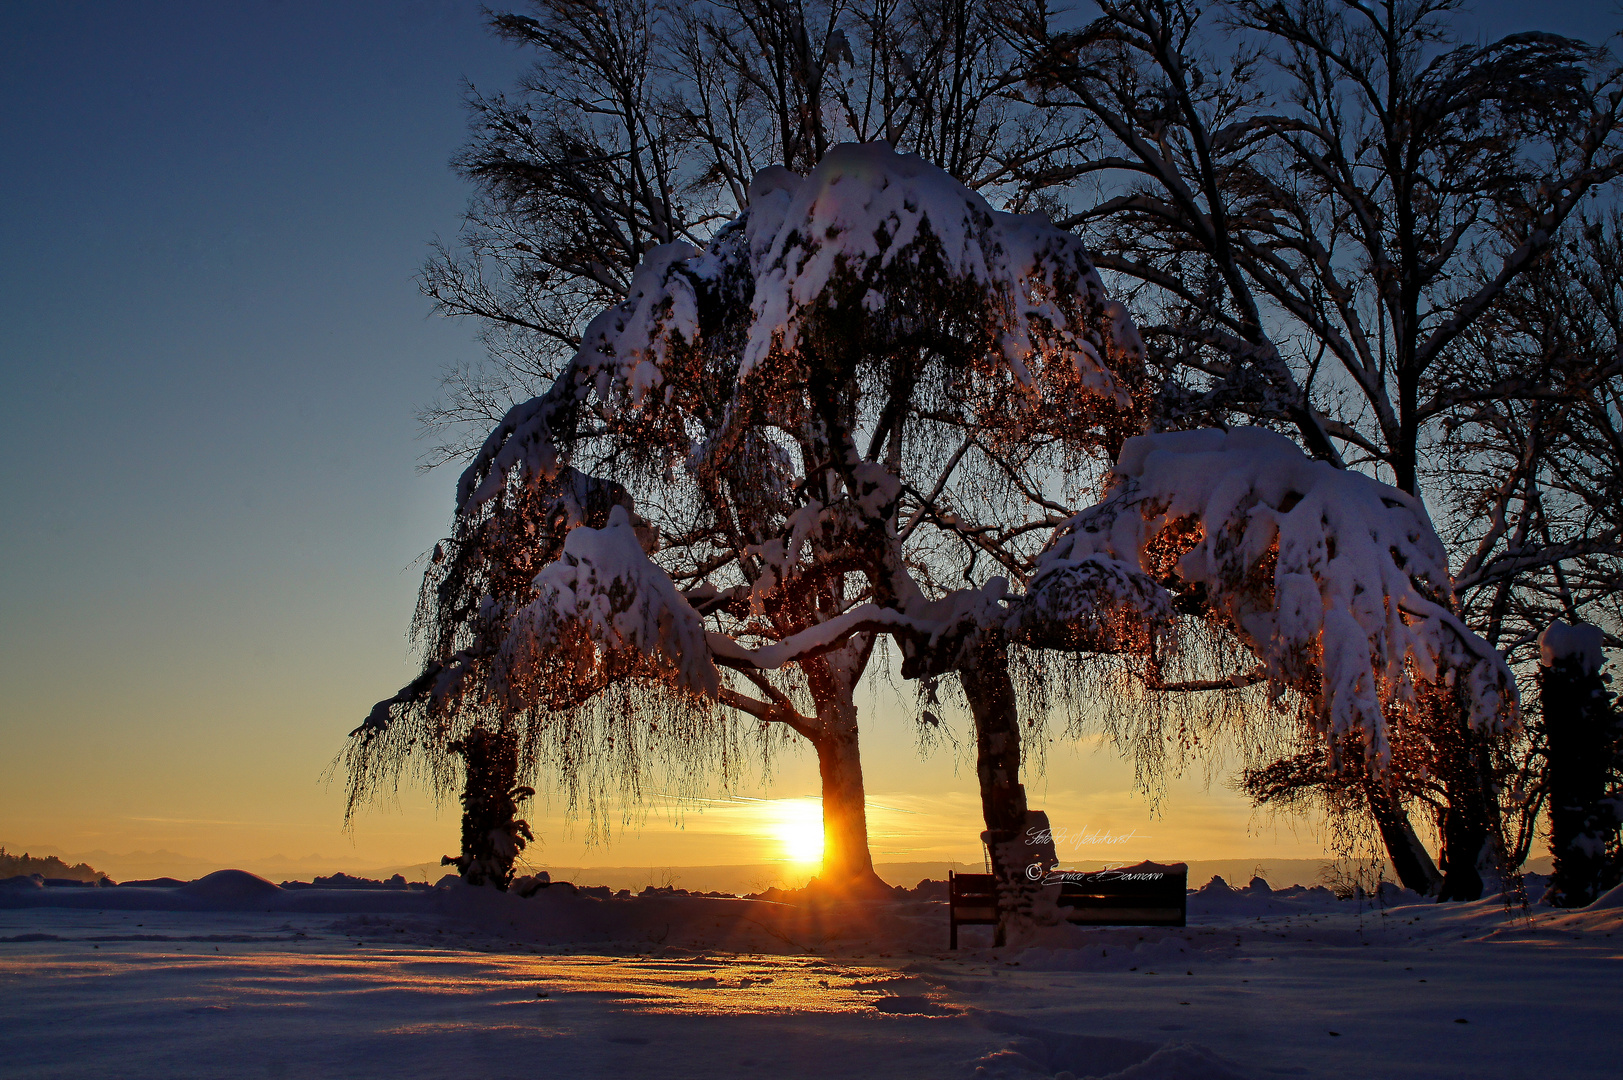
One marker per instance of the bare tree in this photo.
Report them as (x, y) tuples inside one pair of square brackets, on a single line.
[(1534, 457), (1536, 486), (575, 174)]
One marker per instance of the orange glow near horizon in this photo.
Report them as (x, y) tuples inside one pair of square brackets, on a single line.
[(798, 827)]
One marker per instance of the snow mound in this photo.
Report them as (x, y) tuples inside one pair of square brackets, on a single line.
[(229, 887), (1609, 900), (1179, 1061)]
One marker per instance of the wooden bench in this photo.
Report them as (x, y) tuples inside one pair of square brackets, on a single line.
[(971, 901), (1148, 894)]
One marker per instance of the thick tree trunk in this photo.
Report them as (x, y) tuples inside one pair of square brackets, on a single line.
[(1582, 733), (492, 832), (846, 859), (832, 679), (1409, 857), (991, 697), (1470, 816)]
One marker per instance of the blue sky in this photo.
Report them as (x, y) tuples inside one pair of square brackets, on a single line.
[(211, 220), (213, 344)]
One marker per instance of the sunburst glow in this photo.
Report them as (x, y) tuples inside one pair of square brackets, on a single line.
[(798, 827)]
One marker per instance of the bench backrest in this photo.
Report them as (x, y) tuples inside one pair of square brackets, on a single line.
[(972, 898), (1146, 894)]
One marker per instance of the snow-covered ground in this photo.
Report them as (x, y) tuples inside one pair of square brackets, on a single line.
[(250, 981)]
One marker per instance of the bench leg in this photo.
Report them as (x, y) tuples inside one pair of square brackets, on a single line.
[(953, 933)]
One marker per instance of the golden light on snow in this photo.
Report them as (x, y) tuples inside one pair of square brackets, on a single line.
[(798, 827)]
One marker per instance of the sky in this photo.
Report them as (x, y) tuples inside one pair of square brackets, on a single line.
[(211, 218)]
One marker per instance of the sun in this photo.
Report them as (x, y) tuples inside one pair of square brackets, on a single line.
[(799, 830)]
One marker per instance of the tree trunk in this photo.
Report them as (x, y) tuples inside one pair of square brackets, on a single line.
[(846, 859), (1409, 857), (991, 697), (492, 832), (1582, 738), (1470, 816)]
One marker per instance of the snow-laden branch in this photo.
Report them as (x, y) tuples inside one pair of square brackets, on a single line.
[(623, 345), (935, 630), (1338, 583), (603, 608), (868, 213)]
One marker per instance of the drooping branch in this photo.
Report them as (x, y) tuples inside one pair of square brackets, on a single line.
[(1335, 582)]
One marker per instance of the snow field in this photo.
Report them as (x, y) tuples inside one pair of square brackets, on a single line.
[(1261, 983)]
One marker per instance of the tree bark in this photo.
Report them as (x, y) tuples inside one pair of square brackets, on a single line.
[(832, 679), (1470, 816), (990, 691), (1413, 863), (492, 832), (846, 859), (1582, 733)]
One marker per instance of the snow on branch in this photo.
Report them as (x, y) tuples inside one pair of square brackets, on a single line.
[(603, 610), (1337, 582), (1092, 604), (873, 252), (879, 239), (623, 348), (937, 628)]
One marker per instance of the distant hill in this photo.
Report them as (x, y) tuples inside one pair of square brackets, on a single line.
[(50, 866)]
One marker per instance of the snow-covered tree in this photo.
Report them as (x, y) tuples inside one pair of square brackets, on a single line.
[(642, 123), (1335, 583), (1315, 207), (775, 449)]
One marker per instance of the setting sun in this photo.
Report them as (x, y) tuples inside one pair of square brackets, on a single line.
[(799, 830)]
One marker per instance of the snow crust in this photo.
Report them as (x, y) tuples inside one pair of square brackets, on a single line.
[(1584, 643), (1320, 571)]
